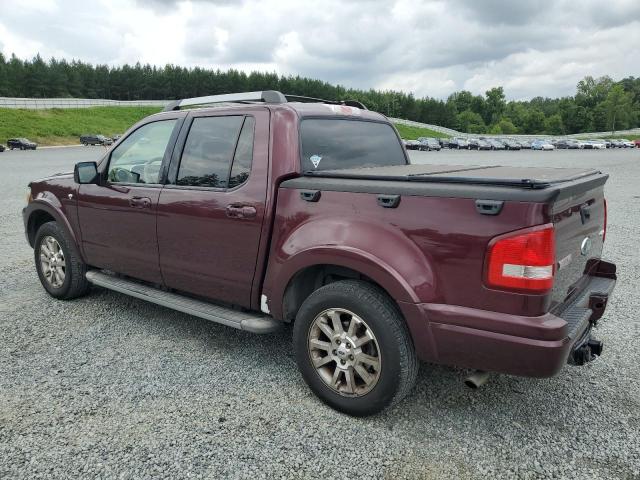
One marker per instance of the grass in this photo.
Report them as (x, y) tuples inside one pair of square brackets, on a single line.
[(412, 133), (64, 126)]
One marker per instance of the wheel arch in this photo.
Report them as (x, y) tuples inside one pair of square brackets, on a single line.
[(307, 271), (38, 213)]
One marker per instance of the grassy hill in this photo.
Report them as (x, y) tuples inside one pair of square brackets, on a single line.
[(64, 126)]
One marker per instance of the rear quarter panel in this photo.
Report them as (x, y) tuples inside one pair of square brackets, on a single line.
[(427, 250)]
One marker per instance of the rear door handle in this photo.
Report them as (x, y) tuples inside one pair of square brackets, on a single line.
[(140, 202), (241, 211)]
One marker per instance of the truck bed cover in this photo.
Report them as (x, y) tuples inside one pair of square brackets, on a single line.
[(538, 184)]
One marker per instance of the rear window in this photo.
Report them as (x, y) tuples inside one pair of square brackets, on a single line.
[(329, 144)]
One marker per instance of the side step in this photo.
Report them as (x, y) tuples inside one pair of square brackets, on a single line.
[(244, 321)]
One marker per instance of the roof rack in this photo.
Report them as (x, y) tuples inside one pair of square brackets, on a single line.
[(266, 96)]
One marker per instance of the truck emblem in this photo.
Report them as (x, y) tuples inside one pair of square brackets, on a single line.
[(586, 246), (315, 159)]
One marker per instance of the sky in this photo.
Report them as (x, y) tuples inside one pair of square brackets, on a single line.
[(429, 48)]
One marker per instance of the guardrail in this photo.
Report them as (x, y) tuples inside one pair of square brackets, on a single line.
[(46, 103), (455, 133)]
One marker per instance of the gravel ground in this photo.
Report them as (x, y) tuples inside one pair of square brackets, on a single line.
[(112, 387)]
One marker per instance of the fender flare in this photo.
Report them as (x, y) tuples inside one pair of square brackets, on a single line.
[(355, 259), (49, 203)]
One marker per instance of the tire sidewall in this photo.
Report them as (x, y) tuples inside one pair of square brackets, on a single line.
[(376, 316), (51, 229)]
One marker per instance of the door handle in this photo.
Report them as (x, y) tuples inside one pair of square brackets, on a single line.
[(241, 211), (140, 202)]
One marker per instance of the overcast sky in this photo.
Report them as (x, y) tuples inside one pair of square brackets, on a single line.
[(531, 47)]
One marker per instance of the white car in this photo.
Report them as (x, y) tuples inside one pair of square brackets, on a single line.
[(542, 145), (627, 143), (598, 144)]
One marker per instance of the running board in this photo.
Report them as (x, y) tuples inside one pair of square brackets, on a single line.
[(233, 318)]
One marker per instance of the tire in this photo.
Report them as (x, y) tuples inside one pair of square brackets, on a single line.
[(375, 315), (74, 283)]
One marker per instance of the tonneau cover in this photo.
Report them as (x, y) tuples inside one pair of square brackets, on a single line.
[(525, 177)]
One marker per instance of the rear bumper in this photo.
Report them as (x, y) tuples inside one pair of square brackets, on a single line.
[(518, 345)]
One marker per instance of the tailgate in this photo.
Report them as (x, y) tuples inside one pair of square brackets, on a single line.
[(579, 222)]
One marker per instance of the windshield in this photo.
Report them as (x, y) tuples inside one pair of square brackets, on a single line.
[(331, 143)]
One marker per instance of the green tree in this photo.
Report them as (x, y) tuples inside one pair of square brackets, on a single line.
[(553, 125), (471, 122), (617, 106), (534, 122), (505, 126), (494, 105)]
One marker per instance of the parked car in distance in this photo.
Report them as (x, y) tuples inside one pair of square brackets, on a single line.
[(496, 144), (413, 145), (254, 215), (116, 137), (525, 144), (627, 143), (429, 143), (617, 143), (479, 144), (568, 144), (95, 140), (637, 143), (542, 145), (2, 148), (510, 144), (459, 143), (597, 144), (21, 144)]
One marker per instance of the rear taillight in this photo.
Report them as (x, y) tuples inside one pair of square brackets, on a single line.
[(522, 260), (604, 228)]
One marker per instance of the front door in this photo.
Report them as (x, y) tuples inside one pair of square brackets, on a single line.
[(211, 211), (118, 216)]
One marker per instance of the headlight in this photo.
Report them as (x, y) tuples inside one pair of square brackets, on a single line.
[(29, 197)]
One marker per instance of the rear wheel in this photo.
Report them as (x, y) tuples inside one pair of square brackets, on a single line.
[(353, 348), (60, 269)]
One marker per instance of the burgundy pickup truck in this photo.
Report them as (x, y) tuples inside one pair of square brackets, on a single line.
[(268, 209)]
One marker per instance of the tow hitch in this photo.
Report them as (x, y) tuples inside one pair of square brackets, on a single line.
[(586, 351)]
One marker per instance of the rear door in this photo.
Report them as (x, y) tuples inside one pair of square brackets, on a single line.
[(118, 217), (211, 211)]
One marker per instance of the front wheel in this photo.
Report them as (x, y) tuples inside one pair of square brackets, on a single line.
[(60, 269), (353, 348)]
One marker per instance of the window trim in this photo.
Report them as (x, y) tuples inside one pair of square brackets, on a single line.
[(349, 119), (165, 157), (176, 159)]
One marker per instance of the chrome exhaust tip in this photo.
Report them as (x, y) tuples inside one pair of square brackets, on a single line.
[(477, 379)]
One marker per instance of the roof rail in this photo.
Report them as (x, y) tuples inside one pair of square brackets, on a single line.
[(267, 96)]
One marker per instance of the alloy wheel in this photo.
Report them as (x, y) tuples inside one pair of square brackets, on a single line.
[(344, 351)]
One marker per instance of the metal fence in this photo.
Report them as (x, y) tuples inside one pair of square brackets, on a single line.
[(455, 133), (46, 103)]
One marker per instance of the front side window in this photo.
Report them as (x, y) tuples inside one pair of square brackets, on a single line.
[(332, 143), (217, 153), (139, 157)]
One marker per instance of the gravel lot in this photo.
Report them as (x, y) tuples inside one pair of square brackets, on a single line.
[(112, 387)]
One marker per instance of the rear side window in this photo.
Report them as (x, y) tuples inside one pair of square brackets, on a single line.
[(244, 155), (332, 143), (218, 152), (208, 151)]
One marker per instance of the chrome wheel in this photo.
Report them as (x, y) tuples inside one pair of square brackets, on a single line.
[(52, 262), (344, 351)]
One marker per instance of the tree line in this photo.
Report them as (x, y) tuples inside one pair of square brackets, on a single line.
[(600, 104)]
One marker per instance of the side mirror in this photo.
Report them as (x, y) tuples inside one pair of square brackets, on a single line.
[(85, 172)]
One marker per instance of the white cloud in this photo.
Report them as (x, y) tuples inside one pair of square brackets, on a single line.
[(433, 47)]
